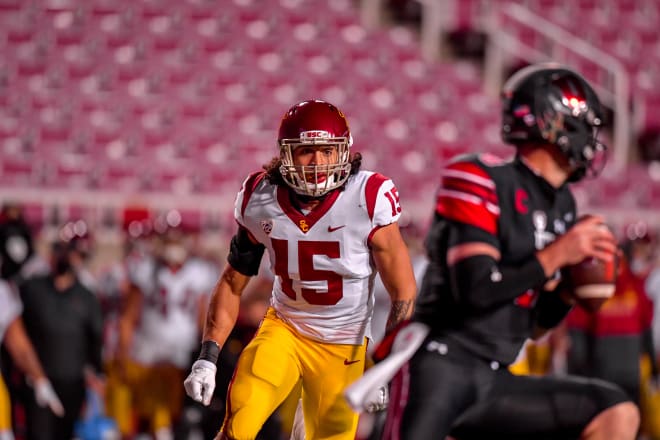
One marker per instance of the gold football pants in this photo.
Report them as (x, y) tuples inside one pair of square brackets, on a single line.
[(271, 365)]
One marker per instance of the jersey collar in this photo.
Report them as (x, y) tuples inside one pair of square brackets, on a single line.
[(547, 188), (304, 222)]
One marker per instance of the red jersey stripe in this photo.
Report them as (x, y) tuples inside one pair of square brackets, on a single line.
[(469, 187), (471, 171), (374, 183), (250, 184), (469, 209), (467, 195)]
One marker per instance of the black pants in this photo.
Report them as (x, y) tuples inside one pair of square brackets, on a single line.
[(42, 424), (446, 390)]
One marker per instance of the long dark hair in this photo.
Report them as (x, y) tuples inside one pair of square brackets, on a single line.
[(274, 176)]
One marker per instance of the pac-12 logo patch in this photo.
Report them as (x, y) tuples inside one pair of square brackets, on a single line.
[(267, 226)]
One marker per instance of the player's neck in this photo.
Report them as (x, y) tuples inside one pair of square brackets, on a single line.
[(305, 203), (545, 163), (63, 282)]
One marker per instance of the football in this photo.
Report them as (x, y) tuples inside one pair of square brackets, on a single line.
[(593, 281)]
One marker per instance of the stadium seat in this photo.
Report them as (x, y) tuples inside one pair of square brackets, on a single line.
[(185, 82)]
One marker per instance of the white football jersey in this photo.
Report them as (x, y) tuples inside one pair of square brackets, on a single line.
[(323, 269), (10, 307), (168, 330)]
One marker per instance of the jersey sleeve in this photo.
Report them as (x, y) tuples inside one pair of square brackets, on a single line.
[(468, 195), (141, 275), (382, 199), (243, 196)]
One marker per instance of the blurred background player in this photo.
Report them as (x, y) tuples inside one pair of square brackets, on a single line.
[(64, 322), (114, 285), (81, 247), (328, 227), (501, 231), (159, 328), (641, 247), (610, 343), (13, 336), (17, 244)]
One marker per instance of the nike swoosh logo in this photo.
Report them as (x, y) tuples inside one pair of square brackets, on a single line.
[(331, 229), (347, 362)]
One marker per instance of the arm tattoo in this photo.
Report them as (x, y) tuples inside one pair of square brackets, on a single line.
[(400, 311)]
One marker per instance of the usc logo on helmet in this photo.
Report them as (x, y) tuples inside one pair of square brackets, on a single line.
[(302, 224)]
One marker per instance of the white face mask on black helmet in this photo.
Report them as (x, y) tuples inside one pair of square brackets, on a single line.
[(317, 124), (552, 104)]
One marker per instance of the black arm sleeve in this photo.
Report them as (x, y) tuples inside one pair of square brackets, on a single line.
[(483, 282), (244, 255)]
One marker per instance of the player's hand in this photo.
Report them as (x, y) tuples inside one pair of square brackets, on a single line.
[(200, 383), (94, 381), (589, 237), (378, 400), (45, 395)]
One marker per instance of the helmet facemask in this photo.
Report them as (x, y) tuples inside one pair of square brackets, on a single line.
[(319, 179), (572, 126)]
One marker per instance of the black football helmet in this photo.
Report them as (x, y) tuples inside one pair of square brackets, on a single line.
[(550, 103)]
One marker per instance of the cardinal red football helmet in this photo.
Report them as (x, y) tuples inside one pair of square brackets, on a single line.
[(316, 123)]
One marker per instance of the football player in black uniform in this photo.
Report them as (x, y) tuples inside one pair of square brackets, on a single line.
[(501, 233)]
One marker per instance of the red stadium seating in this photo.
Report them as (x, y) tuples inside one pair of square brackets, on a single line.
[(183, 97)]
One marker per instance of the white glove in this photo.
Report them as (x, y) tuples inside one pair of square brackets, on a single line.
[(377, 400), (200, 383), (45, 395)]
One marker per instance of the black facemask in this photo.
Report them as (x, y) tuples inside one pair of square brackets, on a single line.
[(61, 260), (62, 265)]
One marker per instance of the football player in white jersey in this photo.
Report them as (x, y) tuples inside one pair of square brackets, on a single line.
[(159, 329), (328, 228)]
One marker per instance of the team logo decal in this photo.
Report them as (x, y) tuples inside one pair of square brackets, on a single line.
[(542, 237), (312, 135), (267, 226), (302, 224), (521, 110), (521, 199)]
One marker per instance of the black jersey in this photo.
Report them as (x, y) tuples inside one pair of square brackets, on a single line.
[(65, 327), (504, 204)]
